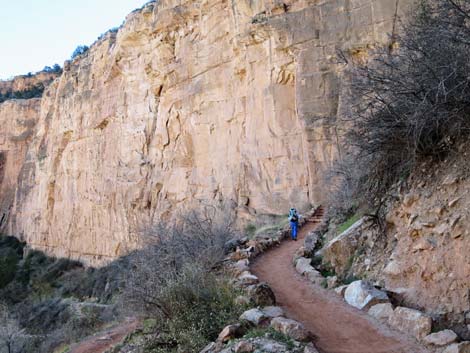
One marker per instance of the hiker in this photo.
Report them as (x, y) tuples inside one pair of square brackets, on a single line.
[(294, 222)]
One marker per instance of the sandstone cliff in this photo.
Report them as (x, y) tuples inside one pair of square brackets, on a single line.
[(18, 120), (191, 102), (26, 82)]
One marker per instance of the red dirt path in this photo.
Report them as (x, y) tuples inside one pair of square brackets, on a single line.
[(107, 339), (339, 328)]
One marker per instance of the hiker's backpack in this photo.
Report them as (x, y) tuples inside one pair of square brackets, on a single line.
[(293, 217)]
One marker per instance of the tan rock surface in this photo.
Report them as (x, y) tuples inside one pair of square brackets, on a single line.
[(190, 102), (18, 119)]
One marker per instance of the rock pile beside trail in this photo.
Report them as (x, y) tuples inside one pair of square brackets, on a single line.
[(366, 296)]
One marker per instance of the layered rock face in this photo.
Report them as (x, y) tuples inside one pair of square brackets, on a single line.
[(430, 263), (27, 82), (191, 102), (422, 257), (18, 120)]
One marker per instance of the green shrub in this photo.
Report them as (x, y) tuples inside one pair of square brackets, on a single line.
[(199, 305)]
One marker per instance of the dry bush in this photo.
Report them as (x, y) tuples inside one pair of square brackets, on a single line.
[(410, 101), (10, 330), (172, 279)]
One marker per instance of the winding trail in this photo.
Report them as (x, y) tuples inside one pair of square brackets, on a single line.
[(339, 328), (104, 340)]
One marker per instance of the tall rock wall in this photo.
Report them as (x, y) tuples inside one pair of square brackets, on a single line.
[(18, 120), (191, 102)]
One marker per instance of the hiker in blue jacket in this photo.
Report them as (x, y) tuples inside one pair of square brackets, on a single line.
[(294, 222)]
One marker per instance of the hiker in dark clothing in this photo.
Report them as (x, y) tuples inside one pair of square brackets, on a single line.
[(294, 222)]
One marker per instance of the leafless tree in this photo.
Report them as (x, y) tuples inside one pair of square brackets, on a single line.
[(410, 101), (10, 330), (195, 240)]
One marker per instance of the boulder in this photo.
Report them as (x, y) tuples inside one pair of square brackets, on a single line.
[(303, 265), (254, 316), (411, 321), (381, 311), (212, 347), (462, 347), (393, 269), (230, 332), (311, 241), (243, 347), (299, 253), (339, 251), (291, 328), (247, 278), (269, 346), (441, 338), (273, 311), (363, 295), (310, 348), (262, 295), (241, 266)]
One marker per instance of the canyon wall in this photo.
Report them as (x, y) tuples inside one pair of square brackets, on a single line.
[(18, 120), (191, 102)]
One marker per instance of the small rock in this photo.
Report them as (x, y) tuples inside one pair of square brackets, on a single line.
[(247, 278), (462, 347), (381, 311), (264, 345), (441, 338), (341, 289), (311, 242), (302, 265), (422, 244), (273, 311), (291, 328), (441, 229), (243, 347), (428, 224), (331, 282), (315, 277), (254, 316), (242, 300), (411, 321), (453, 202), (211, 348), (393, 268), (300, 253), (241, 266), (262, 295), (310, 348), (410, 199), (230, 332), (231, 245), (363, 295)]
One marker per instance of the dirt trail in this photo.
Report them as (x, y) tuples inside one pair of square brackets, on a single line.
[(106, 339), (339, 328)]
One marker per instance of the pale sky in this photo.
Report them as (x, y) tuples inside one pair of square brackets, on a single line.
[(38, 33)]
